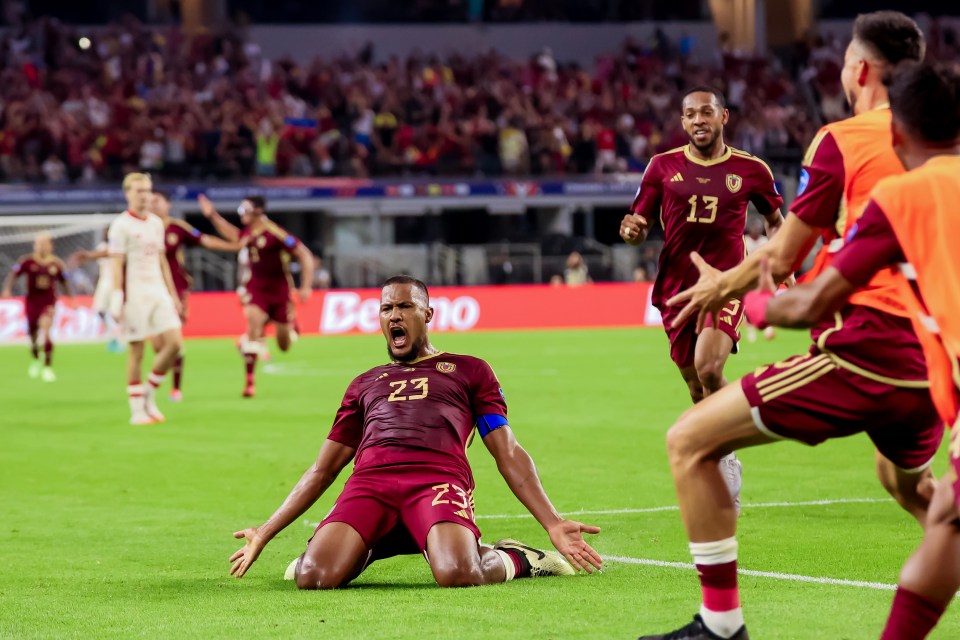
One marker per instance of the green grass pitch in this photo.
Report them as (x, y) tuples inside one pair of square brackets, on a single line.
[(113, 531)]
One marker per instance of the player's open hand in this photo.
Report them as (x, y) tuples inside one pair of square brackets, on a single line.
[(567, 538), (248, 553), (633, 228), (178, 305), (304, 294), (206, 207), (705, 298), (766, 282)]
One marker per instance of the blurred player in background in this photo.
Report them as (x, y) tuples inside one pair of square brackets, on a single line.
[(700, 192), (407, 426), (910, 224), (177, 235), (267, 292), (866, 370), (144, 296), (43, 271), (101, 295)]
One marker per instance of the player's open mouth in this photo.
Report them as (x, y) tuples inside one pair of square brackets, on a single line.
[(701, 133), (398, 337)]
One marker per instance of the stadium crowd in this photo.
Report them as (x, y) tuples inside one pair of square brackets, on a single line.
[(75, 109)]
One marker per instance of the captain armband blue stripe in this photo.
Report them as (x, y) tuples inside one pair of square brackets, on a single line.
[(489, 423)]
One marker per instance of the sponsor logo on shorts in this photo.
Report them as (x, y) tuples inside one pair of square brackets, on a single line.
[(734, 182), (446, 367)]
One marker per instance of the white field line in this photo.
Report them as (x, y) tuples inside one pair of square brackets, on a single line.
[(792, 577), (610, 512)]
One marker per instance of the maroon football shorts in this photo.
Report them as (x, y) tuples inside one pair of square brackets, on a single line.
[(810, 398), (683, 339), (36, 309), (275, 304), (376, 502)]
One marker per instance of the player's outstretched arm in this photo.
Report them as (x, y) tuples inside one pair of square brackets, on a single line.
[(219, 244), (330, 462), (224, 228), (81, 256), (785, 251), (800, 307), (517, 468)]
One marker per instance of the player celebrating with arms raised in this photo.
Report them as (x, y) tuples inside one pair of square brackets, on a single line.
[(43, 271), (143, 295), (266, 295), (407, 426), (701, 192)]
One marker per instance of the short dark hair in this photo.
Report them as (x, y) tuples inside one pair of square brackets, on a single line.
[(163, 194), (258, 202), (405, 279), (890, 35), (702, 88), (925, 97)]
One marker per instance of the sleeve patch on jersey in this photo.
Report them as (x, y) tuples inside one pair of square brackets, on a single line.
[(803, 182), (852, 232), (489, 423), (290, 242)]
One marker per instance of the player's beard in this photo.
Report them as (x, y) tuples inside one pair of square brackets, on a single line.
[(415, 348), (707, 147)]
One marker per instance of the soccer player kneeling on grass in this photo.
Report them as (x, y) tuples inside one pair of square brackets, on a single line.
[(407, 425)]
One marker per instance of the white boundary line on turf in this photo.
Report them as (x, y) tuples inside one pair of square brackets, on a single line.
[(610, 512), (882, 586), (756, 505)]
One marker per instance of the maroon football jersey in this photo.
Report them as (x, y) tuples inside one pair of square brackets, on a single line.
[(417, 413), (702, 206), (178, 235), (42, 276), (270, 248)]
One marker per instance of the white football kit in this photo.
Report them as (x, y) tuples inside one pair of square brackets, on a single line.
[(148, 308)]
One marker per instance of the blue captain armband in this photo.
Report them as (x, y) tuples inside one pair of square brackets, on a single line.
[(489, 423)]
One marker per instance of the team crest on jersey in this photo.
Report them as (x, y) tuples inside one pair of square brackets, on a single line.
[(734, 182), (52, 270), (446, 367), (171, 238), (261, 242)]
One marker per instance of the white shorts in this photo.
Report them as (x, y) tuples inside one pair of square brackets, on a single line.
[(145, 317)]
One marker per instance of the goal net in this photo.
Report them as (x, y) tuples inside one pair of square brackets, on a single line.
[(70, 233)]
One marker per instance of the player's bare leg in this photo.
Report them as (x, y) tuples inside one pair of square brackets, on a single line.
[(36, 366), (457, 560), (135, 389), (911, 489), (285, 334), (168, 345), (157, 343), (252, 345), (704, 434), (931, 577), (45, 326), (335, 555)]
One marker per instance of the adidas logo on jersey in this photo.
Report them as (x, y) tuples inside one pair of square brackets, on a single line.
[(677, 178)]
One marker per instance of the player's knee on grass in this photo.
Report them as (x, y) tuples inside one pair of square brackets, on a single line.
[(456, 572), (314, 576)]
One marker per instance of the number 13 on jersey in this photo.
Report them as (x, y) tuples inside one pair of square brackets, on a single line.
[(709, 203)]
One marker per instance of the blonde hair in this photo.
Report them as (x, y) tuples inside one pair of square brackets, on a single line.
[(130, 178)]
